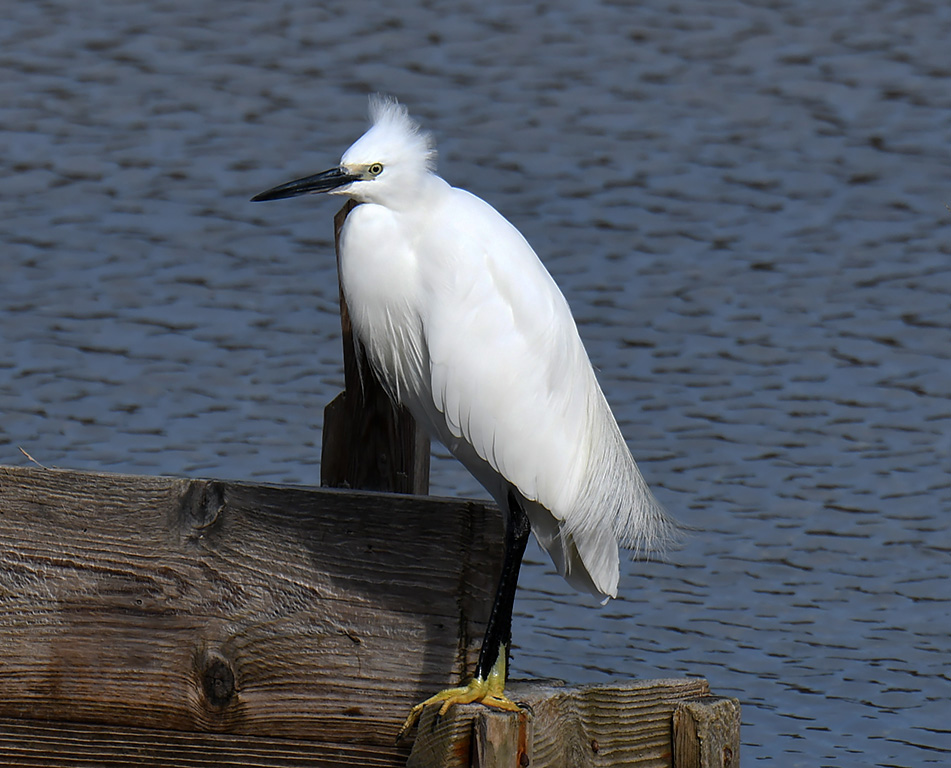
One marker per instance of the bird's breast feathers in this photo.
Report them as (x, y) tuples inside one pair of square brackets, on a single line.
[(379, 274), (461, 320)]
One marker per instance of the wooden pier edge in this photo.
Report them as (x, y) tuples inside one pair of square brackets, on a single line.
[(705, 734), (160, 621), (658, 723)]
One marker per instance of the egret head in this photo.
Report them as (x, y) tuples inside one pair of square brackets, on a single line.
[(385, 165)]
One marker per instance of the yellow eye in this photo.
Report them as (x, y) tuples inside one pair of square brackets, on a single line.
[(376, 169)]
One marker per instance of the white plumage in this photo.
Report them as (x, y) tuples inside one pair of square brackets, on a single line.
[(464, 325)]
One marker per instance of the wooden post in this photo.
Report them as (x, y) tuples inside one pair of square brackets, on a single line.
[(473, 736), (501, 740), (368, 443), (707, 733)]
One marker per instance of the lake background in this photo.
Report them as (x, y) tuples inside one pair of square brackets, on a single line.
[(746, 204)]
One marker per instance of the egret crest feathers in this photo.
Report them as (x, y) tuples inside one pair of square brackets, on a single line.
[(394, 138)]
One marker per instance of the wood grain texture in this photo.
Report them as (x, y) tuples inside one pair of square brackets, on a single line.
[(369, 443), (591, 726), (208, 606), (32, 744), (500, 740), (707, 733)]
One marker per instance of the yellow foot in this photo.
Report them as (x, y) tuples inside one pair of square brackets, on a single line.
[(487, 691)]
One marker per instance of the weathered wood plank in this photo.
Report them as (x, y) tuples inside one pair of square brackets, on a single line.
[(707, 733), (500, 740), (591, 726), (33, 744), (369, 443), (200, 605)]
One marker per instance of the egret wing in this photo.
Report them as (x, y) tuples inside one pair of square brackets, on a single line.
[(509, 373), (512, 390)]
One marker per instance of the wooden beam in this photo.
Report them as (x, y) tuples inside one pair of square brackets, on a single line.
[(40, 744), (368, 443), (620, 724), (209, 606)]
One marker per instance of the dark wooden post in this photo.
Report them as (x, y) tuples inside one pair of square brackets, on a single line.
[(368, 442)]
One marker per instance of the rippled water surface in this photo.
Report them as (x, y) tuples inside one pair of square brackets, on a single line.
[(746, 205)]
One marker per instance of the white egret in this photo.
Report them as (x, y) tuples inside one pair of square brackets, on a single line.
[(463, 324)]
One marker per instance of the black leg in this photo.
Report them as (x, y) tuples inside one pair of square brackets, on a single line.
[(499, 629), (498, 634)]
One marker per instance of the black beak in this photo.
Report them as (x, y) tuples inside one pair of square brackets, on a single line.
[(322, 182)]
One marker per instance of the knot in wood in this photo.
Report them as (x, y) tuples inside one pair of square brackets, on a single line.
[(217, 681), (203, 503), (727, 756)]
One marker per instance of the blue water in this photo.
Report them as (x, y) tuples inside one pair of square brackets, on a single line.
[(746, 204)]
